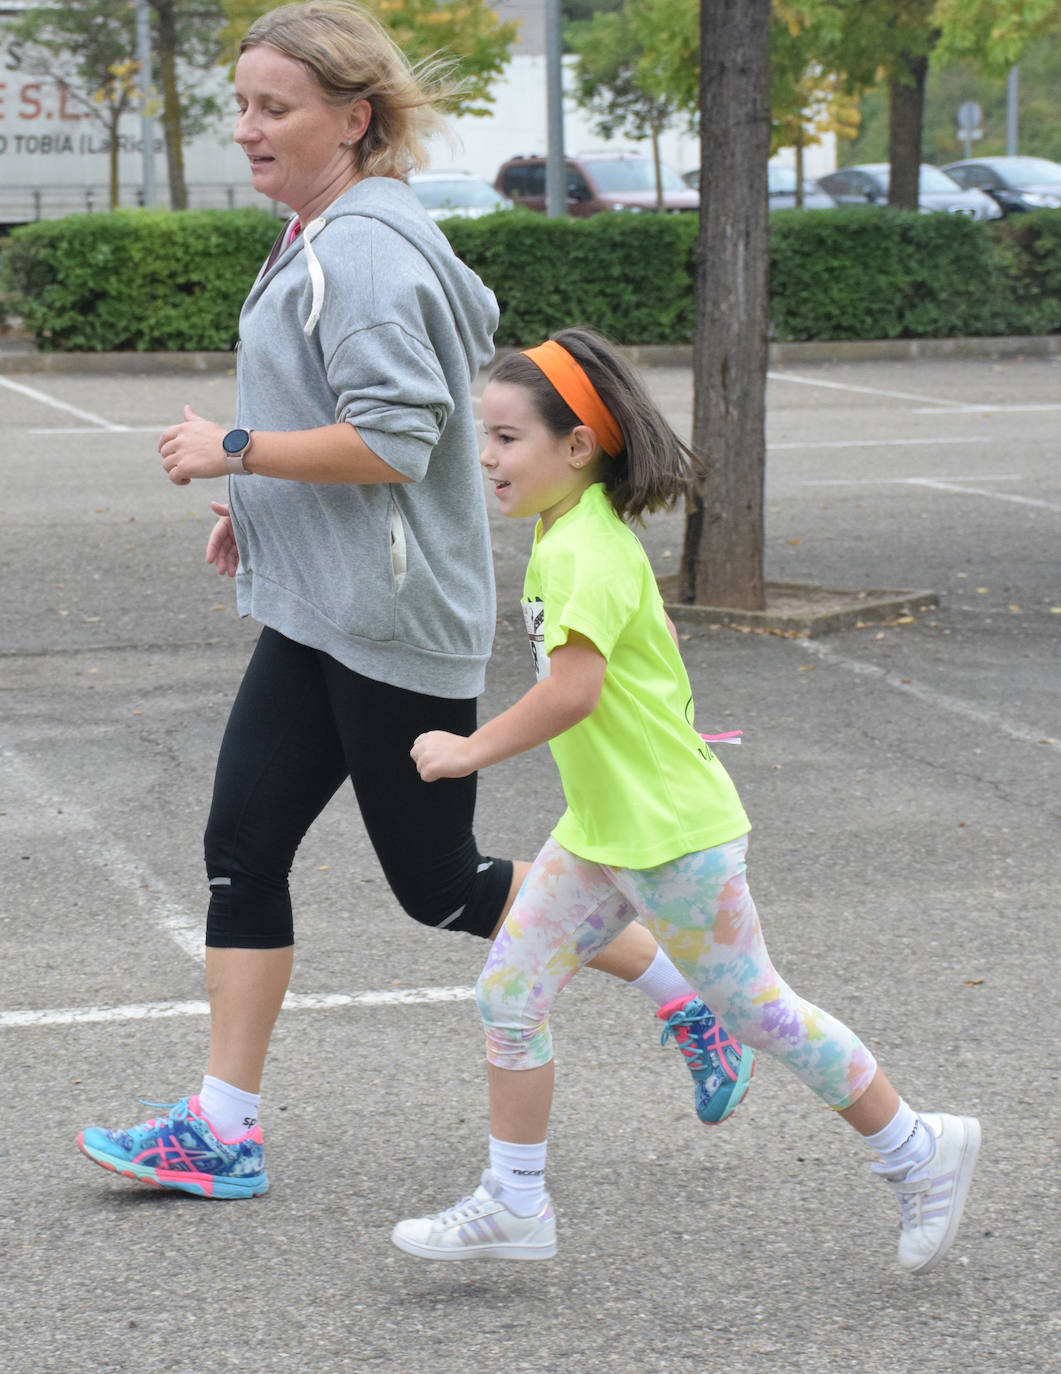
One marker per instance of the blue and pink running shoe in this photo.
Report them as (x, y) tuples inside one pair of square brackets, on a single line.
[(721, 1068), (181, 1151)]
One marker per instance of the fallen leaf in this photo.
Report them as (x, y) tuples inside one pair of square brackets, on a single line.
[(973, 982)]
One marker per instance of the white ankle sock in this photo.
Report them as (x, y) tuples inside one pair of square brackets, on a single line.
[(520, 1174), (904, 1143), (230, 1111), (662, 982)]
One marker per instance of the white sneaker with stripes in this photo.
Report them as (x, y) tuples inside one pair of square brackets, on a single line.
[(932, 1195), (479, 1227)]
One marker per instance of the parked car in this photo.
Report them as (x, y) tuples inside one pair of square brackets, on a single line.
[(1016, 184), (597, 182), (867, 184), (781, 188), (444, 194)]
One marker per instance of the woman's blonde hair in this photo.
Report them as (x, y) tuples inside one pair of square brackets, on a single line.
[(353, 57)]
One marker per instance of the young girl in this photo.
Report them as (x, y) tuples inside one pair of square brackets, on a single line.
[(654, 829)]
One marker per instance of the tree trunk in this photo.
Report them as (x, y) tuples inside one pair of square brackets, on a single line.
[(113, 148), (906, 112), (171, 103), (722, 555), (657, 166)]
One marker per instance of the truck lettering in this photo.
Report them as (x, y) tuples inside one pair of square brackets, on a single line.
[(29, 99), (65, 113)]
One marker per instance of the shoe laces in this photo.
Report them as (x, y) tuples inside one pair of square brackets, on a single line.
[(709, 1041), (460, 1211), (908, 1193), (172, 1110), (468, 1206)]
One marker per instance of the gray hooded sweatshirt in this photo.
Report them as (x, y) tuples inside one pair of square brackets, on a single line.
[(369, 318)]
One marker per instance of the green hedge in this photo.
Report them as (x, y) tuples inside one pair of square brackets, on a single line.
[(135, 279), (629, 276), (151, 279), (884, 274)]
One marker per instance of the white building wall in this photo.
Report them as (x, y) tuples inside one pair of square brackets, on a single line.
[(518, 124)]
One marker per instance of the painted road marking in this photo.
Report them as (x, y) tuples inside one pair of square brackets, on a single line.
[(294, 1001), (1015, 730), (42, 396)]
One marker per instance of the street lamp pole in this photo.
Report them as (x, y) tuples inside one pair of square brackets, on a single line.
[(555, 170), (147, 123), (1012, 116)]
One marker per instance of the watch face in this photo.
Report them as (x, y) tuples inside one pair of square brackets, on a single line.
[(235, 441)]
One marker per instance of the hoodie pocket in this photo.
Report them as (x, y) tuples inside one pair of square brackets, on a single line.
[(399, 552)]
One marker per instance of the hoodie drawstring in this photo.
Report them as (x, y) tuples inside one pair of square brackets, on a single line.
[(316, 273)]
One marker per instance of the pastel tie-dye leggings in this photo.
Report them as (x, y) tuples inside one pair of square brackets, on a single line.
[(700, 910)]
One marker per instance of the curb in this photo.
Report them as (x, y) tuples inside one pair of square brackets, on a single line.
[(21, 356), (803, 610)]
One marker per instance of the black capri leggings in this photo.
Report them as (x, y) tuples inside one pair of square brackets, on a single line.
[(300, 725)]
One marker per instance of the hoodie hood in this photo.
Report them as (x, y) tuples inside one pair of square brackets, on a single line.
[(391, 202)]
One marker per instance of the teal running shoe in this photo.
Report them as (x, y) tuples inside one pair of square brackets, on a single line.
[(181, 1151), (720, 1066)]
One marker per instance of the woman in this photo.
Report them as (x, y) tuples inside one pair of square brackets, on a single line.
[(357, 533)]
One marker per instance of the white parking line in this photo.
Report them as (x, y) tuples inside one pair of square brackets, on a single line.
[(294, 1001), (42, 396), (105, 853), (1008, 497), (934, 401), (902, 481), (934, 405), (878, 443), (939, 484), (121, 429), (1026, 734), (986, 408)]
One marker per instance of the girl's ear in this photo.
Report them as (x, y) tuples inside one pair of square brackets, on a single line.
[(583, 446)]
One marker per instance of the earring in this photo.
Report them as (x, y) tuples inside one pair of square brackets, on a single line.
[(348, 142)]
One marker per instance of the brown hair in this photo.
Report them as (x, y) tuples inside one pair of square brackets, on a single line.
[(653, 468), (353, 57)]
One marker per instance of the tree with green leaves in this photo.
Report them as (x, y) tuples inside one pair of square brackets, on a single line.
[(810, 96), (618, 79), (89, 49), (187, 44), (911, 35), (946, 90), (577, 11), (467, 33)]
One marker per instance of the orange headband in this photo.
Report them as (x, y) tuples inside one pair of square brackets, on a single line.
[(578, 391)]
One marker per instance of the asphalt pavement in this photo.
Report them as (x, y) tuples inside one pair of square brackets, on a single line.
[(902, 781)]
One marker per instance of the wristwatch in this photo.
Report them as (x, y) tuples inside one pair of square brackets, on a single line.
[(236, 444)]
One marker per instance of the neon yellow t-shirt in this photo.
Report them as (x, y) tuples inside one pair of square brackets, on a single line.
[(642, 788)]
